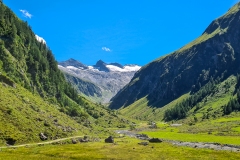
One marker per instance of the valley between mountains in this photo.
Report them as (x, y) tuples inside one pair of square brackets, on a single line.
[(184, 105)]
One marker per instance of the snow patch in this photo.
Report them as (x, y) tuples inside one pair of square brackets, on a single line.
[(72, 67), (132, 68), (61, 66), (90, 67), (124, 69), (112, 68), (93, 68), (40, 39)]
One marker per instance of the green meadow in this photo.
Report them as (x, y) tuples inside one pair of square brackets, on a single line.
[(124, 148)]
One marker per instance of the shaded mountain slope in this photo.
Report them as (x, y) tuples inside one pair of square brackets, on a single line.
[(214, 54), (86, 88)]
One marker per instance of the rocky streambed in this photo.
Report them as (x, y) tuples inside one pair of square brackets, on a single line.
[(215, 146), (206, 145)]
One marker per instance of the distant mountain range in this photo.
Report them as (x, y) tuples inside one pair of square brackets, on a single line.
[(100, 81)]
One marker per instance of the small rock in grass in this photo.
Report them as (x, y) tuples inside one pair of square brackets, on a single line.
[(84, 139), (110, 139), (74, 141), (43, 137), (155, 140)]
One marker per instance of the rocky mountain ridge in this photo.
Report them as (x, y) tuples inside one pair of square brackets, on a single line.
[(101, 80)]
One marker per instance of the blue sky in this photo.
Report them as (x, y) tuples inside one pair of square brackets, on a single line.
[(124, 31)]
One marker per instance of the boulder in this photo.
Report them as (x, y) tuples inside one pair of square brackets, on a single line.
[(84, 139), (43, 137), (142, 136), (74, 141), (10, 141), (109, 140), (155, 140)]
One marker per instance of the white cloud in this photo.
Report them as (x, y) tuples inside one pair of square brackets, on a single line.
[(106, 49), (40, 39), (26, 13)]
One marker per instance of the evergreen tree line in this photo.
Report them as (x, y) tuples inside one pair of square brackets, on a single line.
[(31, 63), (234, 103), (181, 109)]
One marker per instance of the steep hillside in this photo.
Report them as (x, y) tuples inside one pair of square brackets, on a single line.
[(31, 63), (211, 104), (23, 116), (214, 56), (99, 82), (34, 95)]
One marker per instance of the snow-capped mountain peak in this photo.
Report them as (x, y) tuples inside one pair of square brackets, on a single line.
[(110, 78), (72, 64)]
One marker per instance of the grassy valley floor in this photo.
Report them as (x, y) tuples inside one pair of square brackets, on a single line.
[(128, 148), (125, 148)]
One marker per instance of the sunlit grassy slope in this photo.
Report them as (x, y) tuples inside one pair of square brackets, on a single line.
[(23, 116), (142, 111), (210, 105)]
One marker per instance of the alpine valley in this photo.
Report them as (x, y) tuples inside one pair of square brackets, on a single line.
[(184, 105)]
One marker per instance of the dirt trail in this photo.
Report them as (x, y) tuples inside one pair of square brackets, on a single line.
[(40, 143), (215, 146)]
